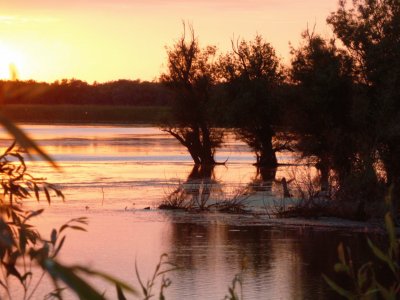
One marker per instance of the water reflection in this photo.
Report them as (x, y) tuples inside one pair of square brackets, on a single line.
[(136, 167), (263, 179), (280, 264), (116, 171), (199, 191)]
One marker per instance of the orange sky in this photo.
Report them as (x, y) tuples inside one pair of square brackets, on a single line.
[(102, 40)]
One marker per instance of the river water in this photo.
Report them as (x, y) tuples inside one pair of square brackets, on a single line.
[(111, 174)]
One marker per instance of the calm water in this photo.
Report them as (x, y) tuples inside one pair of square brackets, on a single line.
[(111, 173)]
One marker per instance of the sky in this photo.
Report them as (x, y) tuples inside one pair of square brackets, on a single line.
[(104, 40)]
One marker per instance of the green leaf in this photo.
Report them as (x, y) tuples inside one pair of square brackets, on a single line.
[(59, 246), (77, 228), (36, 189), (107, 277), (341, 254), (339, 267), (66, 274), (338, 289), (53, 236), (26, 275), (382, 256), (34, 214), (25, 141), (11, 270), (46, 192), (120, 293), (386, 293), (391, 230)]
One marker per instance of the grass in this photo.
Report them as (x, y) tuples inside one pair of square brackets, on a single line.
[(85, 114), (202, 198)]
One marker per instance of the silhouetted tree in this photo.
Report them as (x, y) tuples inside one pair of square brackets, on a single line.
[(252, 73), (370, 31), (323, 76), (191, 75)]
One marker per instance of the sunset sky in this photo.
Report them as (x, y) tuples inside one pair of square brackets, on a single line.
[(103, 40)]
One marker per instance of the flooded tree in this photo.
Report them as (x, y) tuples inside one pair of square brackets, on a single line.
[(323, 77), (252, 72), (370, 31), (191, 75)]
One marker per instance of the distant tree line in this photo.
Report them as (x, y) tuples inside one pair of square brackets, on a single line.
[(77, 92)]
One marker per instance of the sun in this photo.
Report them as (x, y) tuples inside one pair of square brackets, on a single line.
[(10, 61)]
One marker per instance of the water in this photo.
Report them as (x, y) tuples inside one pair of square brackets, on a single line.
[(110, 167), (110, 174)]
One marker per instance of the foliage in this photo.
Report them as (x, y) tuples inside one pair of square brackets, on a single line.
[(191, 75), (163, 267), (23, 140), (252, 73), (370, 31), (322, 74), (235, 291), (367, 282), (236, 282)]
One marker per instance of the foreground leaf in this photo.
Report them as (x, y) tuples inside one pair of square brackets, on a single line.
[(24, 140), (67, 275)]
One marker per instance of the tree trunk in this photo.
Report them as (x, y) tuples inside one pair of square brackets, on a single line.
[(324, 169), (201, 172), (207, 151), (267, 159), (266, 155)]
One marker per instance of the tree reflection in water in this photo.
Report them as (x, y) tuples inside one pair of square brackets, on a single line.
[(263, 180), (196, 192), (280, 262)]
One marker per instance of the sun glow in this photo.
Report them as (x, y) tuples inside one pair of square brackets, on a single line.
[(103, 40), (10, 61)]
